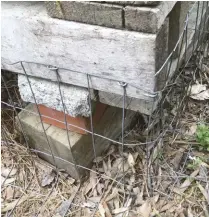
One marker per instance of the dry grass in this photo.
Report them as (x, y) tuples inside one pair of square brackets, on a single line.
[(26, 186)]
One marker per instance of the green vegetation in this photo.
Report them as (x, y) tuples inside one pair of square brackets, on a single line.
[(202, 136), (196, 162)]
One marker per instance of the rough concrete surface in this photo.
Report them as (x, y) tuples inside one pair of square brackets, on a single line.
[(162, 53), (81, 145), (147, 19), (139, 105), (47, 93), (135, 3), (131, 15), (177, 22), (87, 12)]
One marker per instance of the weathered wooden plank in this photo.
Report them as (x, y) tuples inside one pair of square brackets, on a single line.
[(76, 78), (106, 53), (139, 105)]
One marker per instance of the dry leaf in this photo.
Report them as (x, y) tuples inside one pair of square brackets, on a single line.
[(120, 210), (145, 209), (197, 88), (70, 180), (173, 209), (109, 164), (116, 203), (88, 188), (112, 195), (155, 212), (107, 211), (101, 210), (139, 195), (106, 170), (192, 129), (100, 186), (203, 191), (189, 212), (94, 199), (168, 206), (160, 204), (199, 92), (17, 194), (57, 215), (177, 159), (7, 181), (63, 208), (127, 204), (48, 178), (93, 181), (201, 96), (155, 198), (186, 183), (7, 172), (205, 208), (9, 192), (120, 167), (115, 165), (91, 184), (110, 150), (89, 204), (131, 161), (117, 162), (135, 156), (9, 206)]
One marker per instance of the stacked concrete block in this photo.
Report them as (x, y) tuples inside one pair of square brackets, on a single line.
[(128, 15), (79, 148)]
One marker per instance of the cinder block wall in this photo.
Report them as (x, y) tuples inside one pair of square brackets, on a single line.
[(134, 15)]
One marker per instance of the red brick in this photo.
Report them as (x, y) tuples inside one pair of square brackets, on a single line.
[(57, 118)]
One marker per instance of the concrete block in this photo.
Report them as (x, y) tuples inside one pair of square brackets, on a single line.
[(87, 12), (81, 145), (135, 3), (142, 106), (47, 93), (177, 19), (177, 26), (162, 53), (111, 14), (146, 19)]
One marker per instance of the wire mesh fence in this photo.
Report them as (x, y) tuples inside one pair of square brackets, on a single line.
[(169, 104)]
